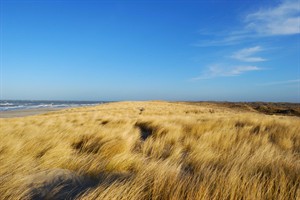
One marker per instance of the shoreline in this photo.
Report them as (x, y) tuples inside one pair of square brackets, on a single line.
[(27, 112)]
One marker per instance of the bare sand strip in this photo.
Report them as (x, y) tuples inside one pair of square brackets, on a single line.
[(27, 112)]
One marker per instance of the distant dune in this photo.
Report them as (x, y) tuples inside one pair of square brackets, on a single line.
[(153, 150)]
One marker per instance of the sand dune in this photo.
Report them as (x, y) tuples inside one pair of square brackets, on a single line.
[(151, 150)]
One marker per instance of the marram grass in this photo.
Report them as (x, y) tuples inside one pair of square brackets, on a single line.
[(150, 150)]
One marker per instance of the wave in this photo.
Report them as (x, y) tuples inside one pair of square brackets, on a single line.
[(6, 106)]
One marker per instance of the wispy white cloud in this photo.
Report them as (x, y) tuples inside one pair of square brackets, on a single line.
[(246, 54), (283, 19), (228, 40), (218, 70), (294, 81)]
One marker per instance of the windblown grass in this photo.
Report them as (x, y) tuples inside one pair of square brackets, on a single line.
[(150, 150)]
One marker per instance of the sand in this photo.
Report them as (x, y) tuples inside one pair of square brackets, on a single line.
[(28, 112)]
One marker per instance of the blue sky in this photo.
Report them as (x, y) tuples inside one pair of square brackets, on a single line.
[(143, 50)]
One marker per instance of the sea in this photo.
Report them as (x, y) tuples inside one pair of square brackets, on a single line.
[(7, 105)]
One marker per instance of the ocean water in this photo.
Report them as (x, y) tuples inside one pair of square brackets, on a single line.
[(6, 105)]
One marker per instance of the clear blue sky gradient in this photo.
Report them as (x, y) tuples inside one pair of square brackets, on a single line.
[(144, 50)]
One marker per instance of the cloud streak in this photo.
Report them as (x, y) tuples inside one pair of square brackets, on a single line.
[(246, 55), (286, 82), (215, 71), (283, 19)]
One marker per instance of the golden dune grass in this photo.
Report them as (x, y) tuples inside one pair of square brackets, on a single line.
[(150, 150)]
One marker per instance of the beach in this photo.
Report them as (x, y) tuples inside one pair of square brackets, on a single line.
[(23, 108), (27, 112)]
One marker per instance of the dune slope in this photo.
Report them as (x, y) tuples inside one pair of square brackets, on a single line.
[(150, 150)]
